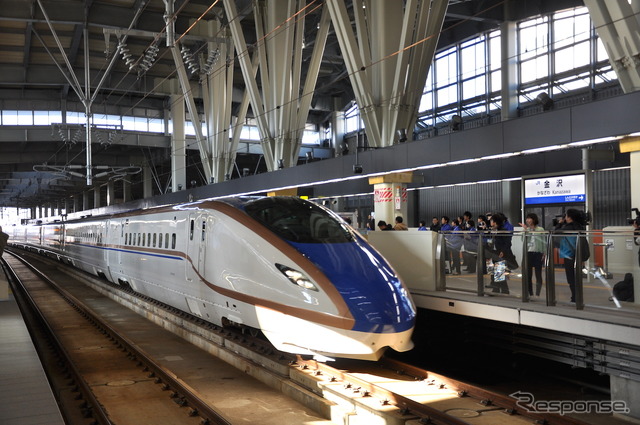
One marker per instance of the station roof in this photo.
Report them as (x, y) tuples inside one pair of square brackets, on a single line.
[(32, 77)]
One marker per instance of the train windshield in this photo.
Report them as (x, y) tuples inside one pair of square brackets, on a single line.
[(298, 221)]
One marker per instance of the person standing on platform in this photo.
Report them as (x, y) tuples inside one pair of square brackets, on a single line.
[(573, 221), (382, 225), (399, 224), (454, 244), (435, 224), (422, 225), (500, 254), (536, 247), (470, 246)]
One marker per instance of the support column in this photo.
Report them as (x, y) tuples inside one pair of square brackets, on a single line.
[(147, 180), (77, 202), (126, 190), (509, 50), (618, 26), (97, 199), (85, 200), (111, 193), (337, 128), (512, 201), (390, 196), (32, 213), (178, 146)]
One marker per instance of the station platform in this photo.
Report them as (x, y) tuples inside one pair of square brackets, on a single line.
[(25, 395)]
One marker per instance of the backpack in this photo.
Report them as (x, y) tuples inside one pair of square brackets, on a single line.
[(623, 290), (584, 248)]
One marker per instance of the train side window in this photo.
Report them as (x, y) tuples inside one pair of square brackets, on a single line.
[(159, 240), (204, 228), (138, 239), (144, 239), (166, 240), (191, 230), (155, 235), (148, 239), (173, 241)]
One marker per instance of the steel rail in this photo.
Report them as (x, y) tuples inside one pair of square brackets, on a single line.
[(487, 397), (182, 394), (26, 301)]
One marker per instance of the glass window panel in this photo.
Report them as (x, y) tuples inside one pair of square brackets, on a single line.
[(10, 117), (41, 118), (447, 95), (128, 123), (75, 118), (55, 116), (496, 81), (473, 87), (140, 124), (100, 119), (25, 117), (426, 102), (446, 68), (533, 38), (601, 52), (534, 69), (582, 26), (563, 32), (156, 125), (472, 59), (310, 138), (572, 57)]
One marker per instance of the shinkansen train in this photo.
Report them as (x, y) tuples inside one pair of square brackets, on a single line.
[(288, 267)]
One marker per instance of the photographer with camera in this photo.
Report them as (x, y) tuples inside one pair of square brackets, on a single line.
[(573, 222)]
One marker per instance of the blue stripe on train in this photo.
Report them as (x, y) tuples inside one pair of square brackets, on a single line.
[(373, 293)]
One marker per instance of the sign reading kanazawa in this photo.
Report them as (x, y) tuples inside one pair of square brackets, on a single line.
[(555, 190)]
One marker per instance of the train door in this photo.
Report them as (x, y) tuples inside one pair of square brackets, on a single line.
[(102, 239), (192, 247), (123, 224), (202, 250)]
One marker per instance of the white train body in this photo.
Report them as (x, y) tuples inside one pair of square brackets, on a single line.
[(326, 292)]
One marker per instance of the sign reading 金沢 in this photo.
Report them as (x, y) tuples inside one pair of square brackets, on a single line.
[(555, 190)]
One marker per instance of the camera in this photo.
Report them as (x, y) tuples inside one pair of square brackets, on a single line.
[(556, 220), (636, 219)]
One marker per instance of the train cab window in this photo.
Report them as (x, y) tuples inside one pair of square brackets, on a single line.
[(173, 241), (191, 230), (159, 240), (204, 228), (166, 240), (299, 221)]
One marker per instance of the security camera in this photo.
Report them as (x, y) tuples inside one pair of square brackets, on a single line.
[(357, 169)]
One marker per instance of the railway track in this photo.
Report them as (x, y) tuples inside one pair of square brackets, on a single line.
[(131, 372), (388, 392)]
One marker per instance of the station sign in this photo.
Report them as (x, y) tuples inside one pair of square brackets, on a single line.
[(555, 190)]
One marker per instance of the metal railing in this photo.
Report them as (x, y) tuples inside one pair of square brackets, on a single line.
[(612, 257)]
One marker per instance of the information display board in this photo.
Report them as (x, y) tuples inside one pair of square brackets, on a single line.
[(555, 190)]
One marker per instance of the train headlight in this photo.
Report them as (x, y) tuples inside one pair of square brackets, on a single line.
[(297, 277)]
